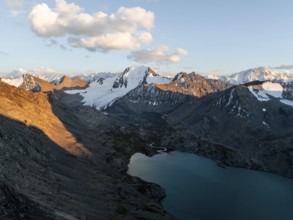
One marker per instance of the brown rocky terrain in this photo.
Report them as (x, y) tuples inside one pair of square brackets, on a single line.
[(34, 109), (45, 86), (193, 84)]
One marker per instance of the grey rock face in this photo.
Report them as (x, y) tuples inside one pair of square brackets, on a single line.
[(120, 81), (29, 83), (288, 90)]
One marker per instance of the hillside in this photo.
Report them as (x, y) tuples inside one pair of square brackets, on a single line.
[(61, 161)]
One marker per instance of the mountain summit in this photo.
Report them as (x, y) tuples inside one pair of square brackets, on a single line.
[(254, 74), (103, 92)]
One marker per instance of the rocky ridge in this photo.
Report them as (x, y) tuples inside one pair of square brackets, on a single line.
[(34, 84)]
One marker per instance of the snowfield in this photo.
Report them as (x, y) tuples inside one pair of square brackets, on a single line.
[(102, 94)]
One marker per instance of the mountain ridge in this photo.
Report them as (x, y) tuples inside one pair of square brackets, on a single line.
[(254, 74)]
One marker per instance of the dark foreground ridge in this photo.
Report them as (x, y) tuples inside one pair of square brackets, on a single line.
[(42, 180)]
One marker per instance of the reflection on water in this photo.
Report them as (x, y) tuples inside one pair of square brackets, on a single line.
[(199, 189)]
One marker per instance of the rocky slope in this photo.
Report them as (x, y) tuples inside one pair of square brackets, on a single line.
[(62, 160), (249, 128), (232, 126)]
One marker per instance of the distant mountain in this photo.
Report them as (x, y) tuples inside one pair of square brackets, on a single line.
[(103, 92), (193, 84), (142, 84), (35, 84), (255, 74), (16, 78), (90, 76), (165, 97)]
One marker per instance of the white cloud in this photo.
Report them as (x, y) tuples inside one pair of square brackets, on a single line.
[(106, 42), (127, 28), (15, 6), (159, 54), (181, 51)]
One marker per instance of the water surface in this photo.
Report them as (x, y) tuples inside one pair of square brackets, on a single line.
[(198, 189)]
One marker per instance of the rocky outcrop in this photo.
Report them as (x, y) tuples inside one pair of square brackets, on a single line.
[(193, 84), (288, 90), (30, 84)]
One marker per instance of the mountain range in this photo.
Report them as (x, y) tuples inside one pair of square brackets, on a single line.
[(68, 140)]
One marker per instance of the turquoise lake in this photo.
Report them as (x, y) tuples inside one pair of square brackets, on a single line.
[(198, 189)]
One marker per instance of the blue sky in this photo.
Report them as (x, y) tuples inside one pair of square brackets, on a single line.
[(208, 36)]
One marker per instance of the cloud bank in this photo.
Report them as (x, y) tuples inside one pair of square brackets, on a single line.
[(161, 54), (127, 28), (284, 67)]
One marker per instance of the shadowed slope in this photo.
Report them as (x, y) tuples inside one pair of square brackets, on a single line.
[(52, 184), (34, 109)]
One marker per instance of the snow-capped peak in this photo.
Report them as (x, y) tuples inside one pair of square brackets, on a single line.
[(103, 92), (16, 77), (257, 74), (254, 74)]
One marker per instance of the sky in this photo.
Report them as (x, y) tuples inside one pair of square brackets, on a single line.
[(207, 36)]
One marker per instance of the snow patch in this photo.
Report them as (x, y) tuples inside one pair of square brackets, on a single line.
[(265, 124), (13, 82), (269, 89), (287, 102), (273, 89), (230, 98), (158, 79)]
